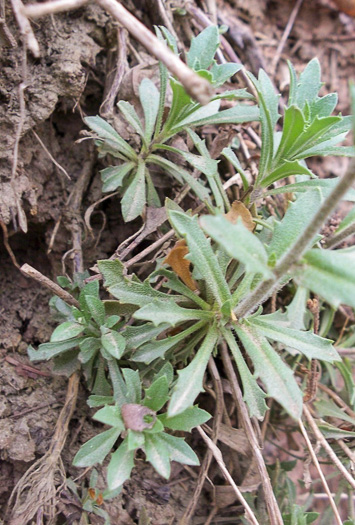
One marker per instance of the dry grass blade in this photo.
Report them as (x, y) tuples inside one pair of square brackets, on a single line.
[(219, 459), (334, 458), (321, 475)]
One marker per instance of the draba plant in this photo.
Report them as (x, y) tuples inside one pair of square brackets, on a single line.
[(144, 352), (132, 174)]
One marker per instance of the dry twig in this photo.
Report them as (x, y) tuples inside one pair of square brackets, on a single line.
[(197, 87)]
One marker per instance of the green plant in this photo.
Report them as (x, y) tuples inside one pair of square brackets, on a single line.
[(224, 270), (133, 172)]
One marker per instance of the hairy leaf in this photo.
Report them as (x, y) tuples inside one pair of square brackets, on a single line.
[(190, 380)]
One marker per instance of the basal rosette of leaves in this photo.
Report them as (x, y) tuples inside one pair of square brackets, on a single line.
[(132, 175)]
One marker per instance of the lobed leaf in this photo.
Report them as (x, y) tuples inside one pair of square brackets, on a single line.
[(96, 449), (253, 395), (159, 312), (310, 344), (274, 373)]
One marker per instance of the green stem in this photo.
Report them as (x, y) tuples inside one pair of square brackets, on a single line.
[(266, 288)]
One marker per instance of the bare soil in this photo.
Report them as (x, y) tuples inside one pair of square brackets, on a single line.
[(67, 81)]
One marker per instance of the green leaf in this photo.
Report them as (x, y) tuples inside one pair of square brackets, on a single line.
[(110, 415), (119, 386), (229, 154), (48, 350), (133, 384), (287, 169), (186, 420), (330, 409), (157, 394), (180, 106), (97, 309), (203, 48), (88, 348), (135, 439), (112, 177), (238, 242), (149, 97), (96, 449), (98, 401), (268, 101), (120, 466), (179, 450), (157, 454), (159, 312), (201, 254), (172, 282), (114, 343), (66, 331), (274, 373), (347, 221), (238, 114), (105, 131), (299, 214), (223, 72), (332, 432), (310, 344), (180, 174), (324, 185), (309, 84), (134, 198), (129, 290), (131, 116), (189, 384), (135, 336), (253, 395), (157, 349), (329, 273)]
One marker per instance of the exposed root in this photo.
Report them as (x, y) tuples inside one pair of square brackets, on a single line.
[(35, 493)]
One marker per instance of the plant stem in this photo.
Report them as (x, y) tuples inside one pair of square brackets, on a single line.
[(263, 291), (341, 236)]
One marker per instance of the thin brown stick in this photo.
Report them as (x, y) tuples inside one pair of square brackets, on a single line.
[(197, 87), (285, 35), (219, 459), (319, 436), (7, 244), (272, 507), (25, 28), (29, 271), (320, 473)]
